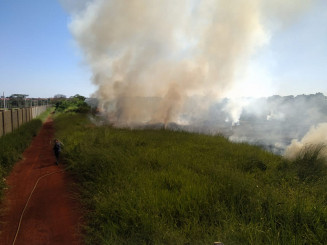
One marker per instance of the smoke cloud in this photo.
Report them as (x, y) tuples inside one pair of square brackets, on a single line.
[(277, 121), (175, 61), (139, 50), (317, 135)]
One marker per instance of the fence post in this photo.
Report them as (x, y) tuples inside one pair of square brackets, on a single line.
[(1, 124), (20, 117), (14, 118), (7, 122)]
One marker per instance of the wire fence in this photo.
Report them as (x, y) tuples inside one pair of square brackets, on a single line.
[(8, 103)]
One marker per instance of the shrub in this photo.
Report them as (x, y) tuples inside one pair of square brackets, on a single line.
[(73, 104)]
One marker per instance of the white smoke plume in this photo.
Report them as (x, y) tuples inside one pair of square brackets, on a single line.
[(157, 61), (317, 135), (171, 50)]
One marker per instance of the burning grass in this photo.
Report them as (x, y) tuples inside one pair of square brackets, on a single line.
[(164, 187)]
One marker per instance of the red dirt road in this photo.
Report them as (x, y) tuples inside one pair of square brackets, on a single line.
[(52, 215)]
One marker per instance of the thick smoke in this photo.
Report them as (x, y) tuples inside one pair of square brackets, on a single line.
[(149, 57), (277, 121), (317, 135), (173, 62)]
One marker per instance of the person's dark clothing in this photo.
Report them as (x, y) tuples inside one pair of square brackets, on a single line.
[(57, 150)]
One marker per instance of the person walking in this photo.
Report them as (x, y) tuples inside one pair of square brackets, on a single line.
[(57, 149)]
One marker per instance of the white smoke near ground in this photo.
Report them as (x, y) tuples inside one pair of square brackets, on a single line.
[(317, 135), (177, 61), (276, 121)]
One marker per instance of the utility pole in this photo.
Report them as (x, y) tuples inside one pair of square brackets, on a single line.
[(4, 101)]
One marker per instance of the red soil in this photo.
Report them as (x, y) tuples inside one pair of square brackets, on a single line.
[(52, 215)]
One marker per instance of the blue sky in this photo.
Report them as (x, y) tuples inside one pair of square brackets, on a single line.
[(38, 56), (299, 52)]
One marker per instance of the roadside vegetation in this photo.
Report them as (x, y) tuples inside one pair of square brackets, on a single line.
[(75, 103), (165, 187), (12, 145)]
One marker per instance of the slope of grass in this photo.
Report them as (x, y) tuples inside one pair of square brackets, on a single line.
[(164, 187)]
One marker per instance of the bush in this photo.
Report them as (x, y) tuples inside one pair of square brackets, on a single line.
[(73, 104)]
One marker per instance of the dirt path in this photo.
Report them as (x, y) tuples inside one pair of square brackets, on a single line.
[(52, 215)]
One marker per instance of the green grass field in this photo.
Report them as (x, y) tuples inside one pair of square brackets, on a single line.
[(165, 187)]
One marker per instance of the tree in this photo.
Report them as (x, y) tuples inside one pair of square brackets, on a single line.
[(78, 97), (17, 100), (75, 103)]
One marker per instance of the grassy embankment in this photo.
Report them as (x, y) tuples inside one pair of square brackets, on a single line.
[(163, 187), (13, 145)]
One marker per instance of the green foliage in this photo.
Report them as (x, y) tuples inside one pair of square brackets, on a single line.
[(73, 104), (12, 146), (164, 187)]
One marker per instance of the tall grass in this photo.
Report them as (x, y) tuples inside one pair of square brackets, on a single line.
[(164, 187), (311, 162)]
